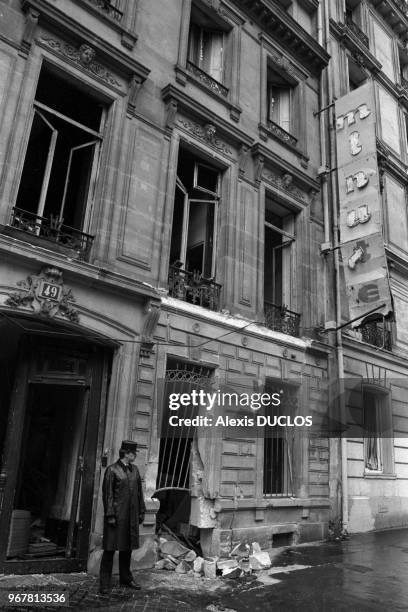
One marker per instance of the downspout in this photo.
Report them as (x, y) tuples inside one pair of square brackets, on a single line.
[(322, 127), (337, 280)]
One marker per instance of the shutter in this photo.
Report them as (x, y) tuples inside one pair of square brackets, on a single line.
[(216, 56)]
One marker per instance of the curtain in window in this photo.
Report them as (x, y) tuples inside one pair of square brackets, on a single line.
[(372, 459)]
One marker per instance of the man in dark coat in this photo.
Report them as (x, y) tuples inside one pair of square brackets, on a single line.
[(124, 510)]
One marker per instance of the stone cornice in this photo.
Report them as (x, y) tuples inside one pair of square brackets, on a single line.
[(176, 100), (359, 51), (273, 159), (100, 278), (285, 30), (395, 13), (61, 23)]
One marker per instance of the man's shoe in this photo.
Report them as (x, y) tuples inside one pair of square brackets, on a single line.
[(132, 585)]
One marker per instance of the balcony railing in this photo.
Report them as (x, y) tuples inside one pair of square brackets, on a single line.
[(357, 31), (282, 134), (403, 6), (280, 318), (207, 80), (404, 84), (377, 333), (192, 287), (51, 229), (113, 9)]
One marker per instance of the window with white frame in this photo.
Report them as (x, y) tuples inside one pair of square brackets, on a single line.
[(61, 159), (207, 44), (280, 100), (279, 238), (194, 231)]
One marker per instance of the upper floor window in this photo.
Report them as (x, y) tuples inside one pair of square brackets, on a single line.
[(194, 233), (279, 238), (280, 100), (55, 192), (207, 45)]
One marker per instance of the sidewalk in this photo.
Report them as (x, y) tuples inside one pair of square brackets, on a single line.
[(368, 573)]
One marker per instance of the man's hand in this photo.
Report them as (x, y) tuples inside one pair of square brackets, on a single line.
[(141, 519), (112, 521)]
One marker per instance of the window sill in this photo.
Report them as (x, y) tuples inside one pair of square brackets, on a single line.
[(50, 245), (278, 134), (183, 76), (379, 476)]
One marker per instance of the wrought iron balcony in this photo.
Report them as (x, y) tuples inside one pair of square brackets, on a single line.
[(192, 287), (51, 229), (207, 80), (403, 6), (356, 30), (280, 318), (404, 84), (281, 134), (113, 9), (377, 333)]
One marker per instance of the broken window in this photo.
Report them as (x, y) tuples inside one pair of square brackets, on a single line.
[(279, 238), (372, 428), (280, 100), (279, 444), (60, 165), (193, 241), (206, 44)]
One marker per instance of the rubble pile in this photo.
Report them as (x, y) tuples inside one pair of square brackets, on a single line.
[(243, 560)]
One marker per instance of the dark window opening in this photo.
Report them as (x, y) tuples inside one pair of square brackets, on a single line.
[(279, 445), (279, 237), (60, 163), (357, 75), (194, 232), (372, 428)]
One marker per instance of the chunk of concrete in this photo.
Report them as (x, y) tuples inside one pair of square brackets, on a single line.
[(190, 556), (245, 566), (175, 549), (169, 565), (227, 564), (231, 572), (260, 560), (210, 568), (198, 565), (255, 548), (160, 564), (240, 550), (183, 567)]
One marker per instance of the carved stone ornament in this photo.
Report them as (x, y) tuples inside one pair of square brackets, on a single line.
[(83, 57), (207, 133), (46, 294), (152, 312), (285, 183)]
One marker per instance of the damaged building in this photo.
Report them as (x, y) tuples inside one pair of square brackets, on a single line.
[(166, 219)]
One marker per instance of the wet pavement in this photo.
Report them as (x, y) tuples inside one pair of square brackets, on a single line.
[(366, 573)]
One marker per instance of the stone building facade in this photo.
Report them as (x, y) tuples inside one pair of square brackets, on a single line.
[(163, 208), (368, 41)]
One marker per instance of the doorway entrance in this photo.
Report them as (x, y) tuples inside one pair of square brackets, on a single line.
[(55, 423)]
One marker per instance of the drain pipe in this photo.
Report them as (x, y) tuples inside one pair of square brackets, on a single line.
[(337, 279)]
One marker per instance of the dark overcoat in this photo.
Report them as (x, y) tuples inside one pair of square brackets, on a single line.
[(123, 499)]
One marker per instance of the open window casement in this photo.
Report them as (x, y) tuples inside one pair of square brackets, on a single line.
[(60, 167), (206, 179), (279, 238)]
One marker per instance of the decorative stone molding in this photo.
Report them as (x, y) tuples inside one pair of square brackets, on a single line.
[(284, 182), (152, 311), (29, 30), (83, 57), (46, 294), (134, 88), (243, 159), (206, 133)]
